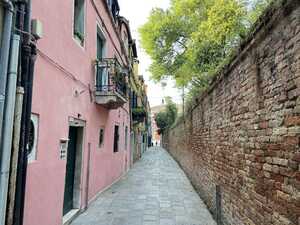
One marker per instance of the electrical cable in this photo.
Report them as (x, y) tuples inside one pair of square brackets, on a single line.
[(62, 69)]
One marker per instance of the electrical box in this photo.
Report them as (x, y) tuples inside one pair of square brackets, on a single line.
[(37, 28)]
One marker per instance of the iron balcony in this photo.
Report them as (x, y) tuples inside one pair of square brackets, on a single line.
[(110, 83)]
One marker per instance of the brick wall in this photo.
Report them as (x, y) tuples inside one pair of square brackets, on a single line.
[(243, 134)]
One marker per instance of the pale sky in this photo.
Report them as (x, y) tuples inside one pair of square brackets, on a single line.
[(137, 12)]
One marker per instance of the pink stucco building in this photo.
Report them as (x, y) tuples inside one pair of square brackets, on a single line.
[(80, 115)]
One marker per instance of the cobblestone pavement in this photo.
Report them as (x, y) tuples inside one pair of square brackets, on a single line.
[(155, 192)]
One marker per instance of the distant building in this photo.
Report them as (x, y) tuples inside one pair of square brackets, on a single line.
[(141, 135), (156, 137)]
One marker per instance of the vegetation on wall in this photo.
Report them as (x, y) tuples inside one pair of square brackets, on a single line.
[(166, 118), (192, 39), (139, 114)]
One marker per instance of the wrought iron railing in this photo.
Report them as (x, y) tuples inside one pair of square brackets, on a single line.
[(118, 87), (109, 63), (109, 77), (139, 114)]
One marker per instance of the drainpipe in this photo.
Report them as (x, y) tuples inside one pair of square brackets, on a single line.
[(28, 62), (4, 56), (14, 157), (7, 131), (24, 140)]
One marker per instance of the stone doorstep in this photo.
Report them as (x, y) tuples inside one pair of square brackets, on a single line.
[(70, 216)]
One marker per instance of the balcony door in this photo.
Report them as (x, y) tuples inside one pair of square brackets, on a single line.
[(102, 80)]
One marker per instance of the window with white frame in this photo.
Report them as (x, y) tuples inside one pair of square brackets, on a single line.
[(102, 79), (126, 43), (79, 24)]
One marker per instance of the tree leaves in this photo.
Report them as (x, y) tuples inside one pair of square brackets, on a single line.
[(192, 38), (167, 117)]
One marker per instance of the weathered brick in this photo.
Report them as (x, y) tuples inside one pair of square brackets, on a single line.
[(267, 167), (294, 130), (296, 157), (293, 164), (281, 162), (293, 140), (293, 94), (275, 169), (292, 121), (247, 139), (280, 131)]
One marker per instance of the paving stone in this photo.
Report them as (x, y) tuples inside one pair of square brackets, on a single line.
[(154, 192)]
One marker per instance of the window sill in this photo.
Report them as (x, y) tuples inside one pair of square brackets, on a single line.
[(79, 42)]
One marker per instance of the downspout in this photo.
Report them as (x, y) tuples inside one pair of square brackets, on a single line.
[(4, 57), (14, 157), (7, 132), (28, 62), (23, 153)]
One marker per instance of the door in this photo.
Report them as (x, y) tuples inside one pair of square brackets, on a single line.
[(116, 139), (70, 171)]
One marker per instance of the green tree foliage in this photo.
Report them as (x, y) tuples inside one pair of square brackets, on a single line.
[(167, 117), (191, 39)]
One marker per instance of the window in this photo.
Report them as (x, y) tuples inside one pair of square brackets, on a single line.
[(116, 139), (114, 7), (125, 40), (109, 2), (134, 100), (126, 137), (78, 29), (101, 137), (102, 73), (33, 136)]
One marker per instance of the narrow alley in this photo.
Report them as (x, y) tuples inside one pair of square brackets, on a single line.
[(156, 191), (162, 112)]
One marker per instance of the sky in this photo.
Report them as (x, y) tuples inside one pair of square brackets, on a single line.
[(137, 12)]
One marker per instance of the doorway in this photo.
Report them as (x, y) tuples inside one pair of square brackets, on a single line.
[(73, 169)]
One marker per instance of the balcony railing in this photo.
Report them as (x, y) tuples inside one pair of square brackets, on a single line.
[(118, 87), (138, 114), (110, 83)]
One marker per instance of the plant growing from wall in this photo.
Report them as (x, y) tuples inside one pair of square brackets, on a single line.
[(119, 79)]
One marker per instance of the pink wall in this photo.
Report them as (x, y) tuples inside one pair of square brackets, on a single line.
[(54, 101)]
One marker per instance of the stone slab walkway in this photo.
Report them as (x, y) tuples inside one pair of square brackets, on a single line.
[(155, 192)]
